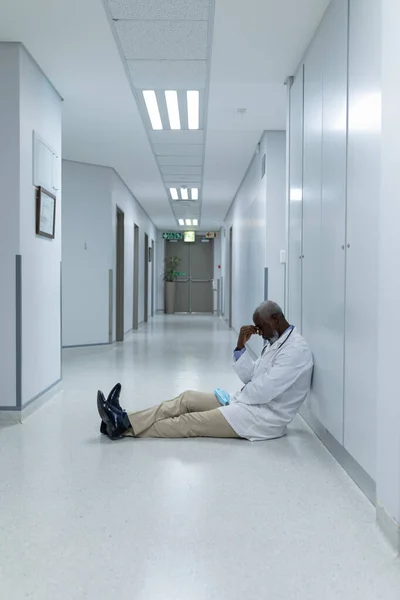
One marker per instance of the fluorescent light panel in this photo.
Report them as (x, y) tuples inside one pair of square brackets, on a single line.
[(193, 104), (150, 99), (174, 193), (184, 194), (195, 194), (171, 98), (188, 222), (181, 222), (195, 222)]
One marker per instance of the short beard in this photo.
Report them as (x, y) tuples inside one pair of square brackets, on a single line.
[(274, 338)]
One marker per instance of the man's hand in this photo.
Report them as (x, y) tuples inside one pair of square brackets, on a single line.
[(245, 334)]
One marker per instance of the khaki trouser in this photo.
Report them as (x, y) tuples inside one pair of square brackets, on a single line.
[(192, 414)]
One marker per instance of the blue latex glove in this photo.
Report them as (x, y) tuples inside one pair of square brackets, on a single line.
[(222, 397)]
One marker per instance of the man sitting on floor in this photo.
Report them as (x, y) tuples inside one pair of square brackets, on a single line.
[(275, 386)]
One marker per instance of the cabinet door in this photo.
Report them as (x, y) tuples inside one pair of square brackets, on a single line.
[(324, 210), (363, 191), (295, 199)]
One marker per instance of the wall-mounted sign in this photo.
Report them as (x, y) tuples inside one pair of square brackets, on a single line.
[(172, 236), (211, 234), (189, 236)]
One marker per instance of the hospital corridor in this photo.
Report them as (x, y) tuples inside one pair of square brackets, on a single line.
[(178, 518), (199, 300)]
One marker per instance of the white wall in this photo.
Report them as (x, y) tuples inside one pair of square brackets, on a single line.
[(40, 111), (363, 190), (258, 219), (338, 226), (10, 208), (134, 214), (276, 213), (324, 213), (387, 312), (91, 195), (28, 103), (87, 250)]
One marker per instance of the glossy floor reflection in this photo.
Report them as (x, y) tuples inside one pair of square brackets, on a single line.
[(85, 518)]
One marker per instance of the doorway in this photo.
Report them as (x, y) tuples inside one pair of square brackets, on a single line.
[(136, 277), (120, 278), (230, 276), (146, 278), (152, 278), (194, 292)]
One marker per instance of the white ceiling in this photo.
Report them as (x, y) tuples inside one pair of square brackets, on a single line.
[(166, 46), (255, 45)]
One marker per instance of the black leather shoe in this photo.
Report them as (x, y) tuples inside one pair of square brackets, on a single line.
[(113, 396), (115, 421), (113, 399)]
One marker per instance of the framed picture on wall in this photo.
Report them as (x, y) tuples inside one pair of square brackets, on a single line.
[(45, 213)]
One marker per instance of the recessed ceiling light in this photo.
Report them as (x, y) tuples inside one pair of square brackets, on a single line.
[(181, 222), (171, 97), (195, 222), (184, 194), (193, 103), (174, 193), (195, 194), (150, 99), (188, 222)]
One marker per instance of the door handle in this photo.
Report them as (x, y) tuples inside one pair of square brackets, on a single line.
[(200, 280)]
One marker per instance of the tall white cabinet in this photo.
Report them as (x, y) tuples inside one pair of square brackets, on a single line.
[(363, 193), (295, 242), (330, 226)]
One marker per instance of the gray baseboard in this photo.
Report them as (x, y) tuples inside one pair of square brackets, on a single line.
[(10, 416), (87, 345), (13, 415), (350, 465), (389, 527)]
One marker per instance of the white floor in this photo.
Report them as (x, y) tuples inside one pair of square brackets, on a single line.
[(85, 518)]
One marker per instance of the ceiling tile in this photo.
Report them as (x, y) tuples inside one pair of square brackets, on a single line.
[(186, 209), (177, 137), (160, 9), (183, 161), (178, 149), (168, 74), (181, 171), (182, 180), (182, 40)]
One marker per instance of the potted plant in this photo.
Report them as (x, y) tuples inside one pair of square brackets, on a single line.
[(170, 265)]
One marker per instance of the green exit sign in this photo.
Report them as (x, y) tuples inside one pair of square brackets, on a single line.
[(172, 236)]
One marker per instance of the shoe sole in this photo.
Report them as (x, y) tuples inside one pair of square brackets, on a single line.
[(114, 402), (106, 420)]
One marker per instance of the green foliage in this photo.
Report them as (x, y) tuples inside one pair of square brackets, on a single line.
[(170, 265)]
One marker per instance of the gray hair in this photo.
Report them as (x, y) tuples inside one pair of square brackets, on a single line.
[(267, 309)]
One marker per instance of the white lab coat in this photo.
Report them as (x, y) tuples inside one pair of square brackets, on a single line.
[(276, 385)]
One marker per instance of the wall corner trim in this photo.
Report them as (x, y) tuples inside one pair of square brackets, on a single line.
[(389, 526)]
